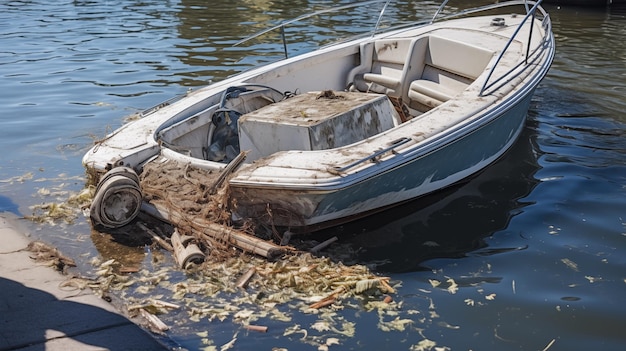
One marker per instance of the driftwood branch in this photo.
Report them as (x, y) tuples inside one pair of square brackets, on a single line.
[(164, 244), (242, 282), (230, 168), (204, 227), (154, 322), (322, 245)]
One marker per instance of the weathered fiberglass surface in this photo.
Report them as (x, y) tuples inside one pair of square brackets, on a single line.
[(526, 255)]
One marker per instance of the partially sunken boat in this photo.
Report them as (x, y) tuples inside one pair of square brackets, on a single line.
[(376, 121)]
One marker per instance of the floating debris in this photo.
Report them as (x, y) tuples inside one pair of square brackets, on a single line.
[(230, 344), (549, 345), (593, 279), (570, 264), (18, 179), (242, 282), (426, 345), (66, 211), (257, 328), (155, 324), (450, 285), (49, 256), (238, 285)]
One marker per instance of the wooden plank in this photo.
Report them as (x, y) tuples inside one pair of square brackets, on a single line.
[(202, 226), (242, 282)]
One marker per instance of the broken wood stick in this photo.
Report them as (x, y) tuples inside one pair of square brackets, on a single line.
[(330, 298), (129, 269), (164, 244), (323, 303), (322, 245), (165, 304), (154, 321), (258, 328), (242, 282)]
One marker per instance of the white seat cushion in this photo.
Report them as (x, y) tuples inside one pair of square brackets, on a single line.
[(429, 93)]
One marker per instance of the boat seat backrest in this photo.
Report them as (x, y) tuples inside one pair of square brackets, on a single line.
[(392, 60), (389, 57), (456, 57), (449, 68)]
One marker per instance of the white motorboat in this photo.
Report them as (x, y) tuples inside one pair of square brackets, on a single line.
[(378, 120)]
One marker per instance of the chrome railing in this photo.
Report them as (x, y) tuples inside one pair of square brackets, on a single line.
[(281, 26), (530, 14), (546, 23)]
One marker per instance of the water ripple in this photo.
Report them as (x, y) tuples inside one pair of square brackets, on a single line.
[(535, 241)]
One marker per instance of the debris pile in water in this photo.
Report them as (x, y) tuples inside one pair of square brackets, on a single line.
[(252, 293), (196, 202), (188, 189), (244, 287), (62, 210), (190, 192), (49, 256), (226, 291)]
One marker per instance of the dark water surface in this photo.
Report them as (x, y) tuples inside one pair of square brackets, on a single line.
[(531, 253)]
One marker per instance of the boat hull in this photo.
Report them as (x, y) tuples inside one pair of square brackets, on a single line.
[(422, 174), (377, 122)]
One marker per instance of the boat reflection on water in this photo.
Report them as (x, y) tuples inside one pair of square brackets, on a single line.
[(449, 224)]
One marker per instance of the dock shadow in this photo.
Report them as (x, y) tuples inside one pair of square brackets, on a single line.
[(29, 318)]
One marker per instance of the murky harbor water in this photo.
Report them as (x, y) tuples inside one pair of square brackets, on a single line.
[(528, 255)]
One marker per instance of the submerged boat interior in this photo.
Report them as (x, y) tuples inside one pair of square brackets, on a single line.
[(432, 75), (424, 72), (390, 81)]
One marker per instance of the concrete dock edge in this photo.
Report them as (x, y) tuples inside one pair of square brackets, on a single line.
[(36, 314)]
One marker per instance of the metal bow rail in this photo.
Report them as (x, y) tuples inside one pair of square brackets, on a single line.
[(437, 16), (530, 14)]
